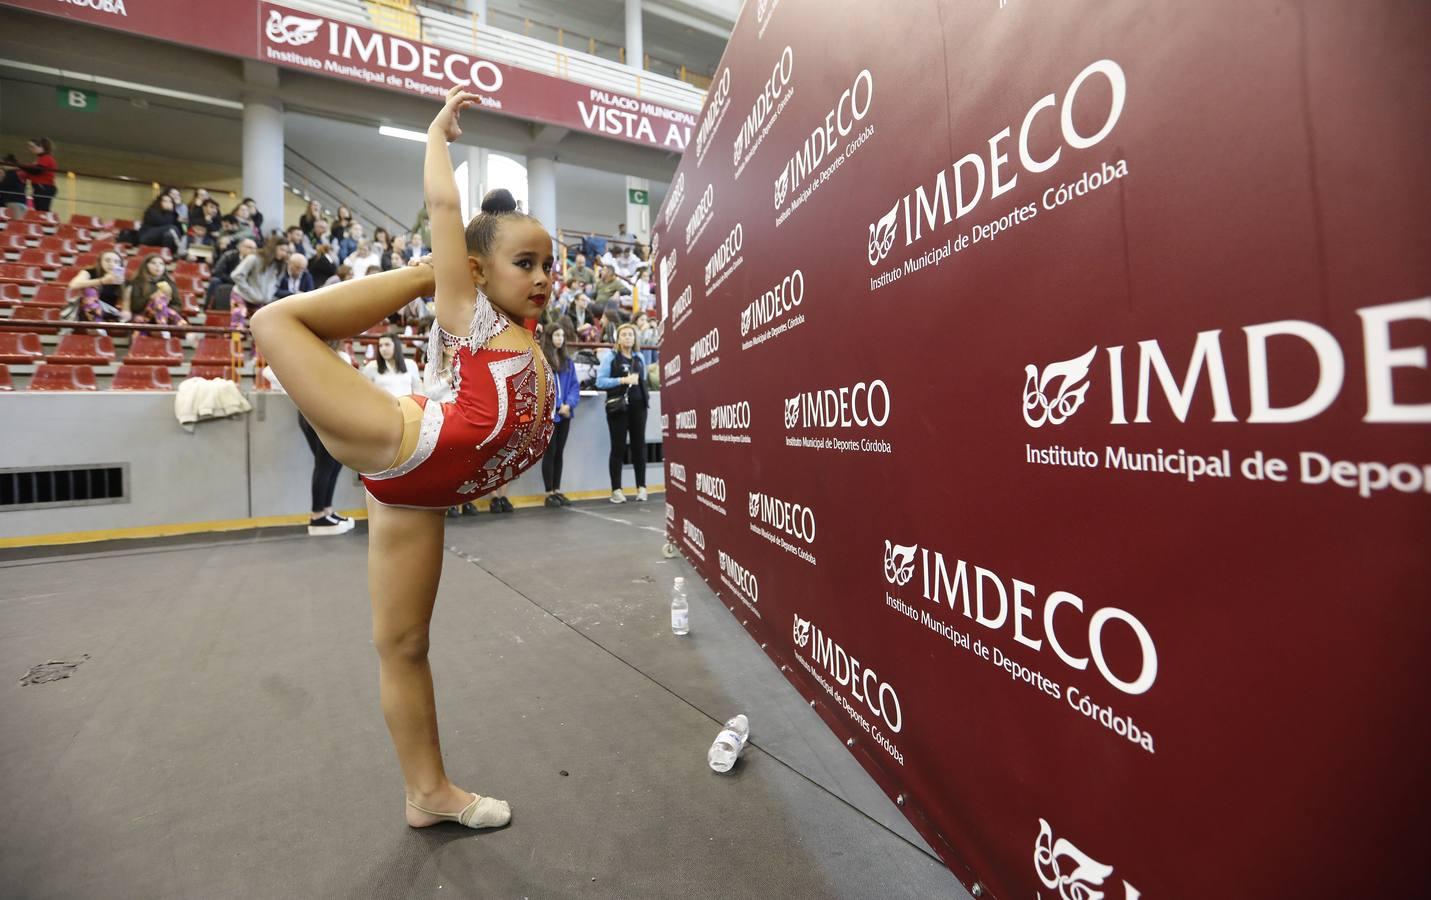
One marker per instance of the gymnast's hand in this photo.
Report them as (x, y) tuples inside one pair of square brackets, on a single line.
[(446, 121)]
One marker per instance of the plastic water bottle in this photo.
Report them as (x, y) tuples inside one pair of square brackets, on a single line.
[(729, 743), (680, 608)]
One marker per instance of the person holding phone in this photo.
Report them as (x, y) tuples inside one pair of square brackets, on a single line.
[(623, 377)]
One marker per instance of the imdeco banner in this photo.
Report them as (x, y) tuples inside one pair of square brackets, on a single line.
[(1047, 391)]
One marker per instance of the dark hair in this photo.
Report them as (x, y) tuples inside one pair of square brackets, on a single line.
[(399, 361), (497, 207), (557, 359), (268, 253), (44, 144)]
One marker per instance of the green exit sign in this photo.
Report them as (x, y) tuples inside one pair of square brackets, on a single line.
[(75, 98), (638, 196)]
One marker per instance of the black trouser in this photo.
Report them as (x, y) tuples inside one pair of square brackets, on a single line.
[(551, 460), (325, 468), (632, 424), (43, 195), (160, 236)]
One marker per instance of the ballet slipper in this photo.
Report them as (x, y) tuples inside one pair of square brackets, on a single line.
[(482, 812)]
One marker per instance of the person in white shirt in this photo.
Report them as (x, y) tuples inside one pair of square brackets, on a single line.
[(392, 371), (364, 259), (627, 264)]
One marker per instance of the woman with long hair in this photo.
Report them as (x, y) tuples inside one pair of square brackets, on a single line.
[(41, 173), (623, 377), (160, 224), (312, 215), (392, 371), (568, 395), (483, 418), (142, 287), (257, 276), (342, 222), (96, 294)]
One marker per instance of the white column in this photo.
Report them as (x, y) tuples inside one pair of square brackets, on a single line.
[(480, 8), (263, 142), (635, 56), (541, 189), (638, 215)]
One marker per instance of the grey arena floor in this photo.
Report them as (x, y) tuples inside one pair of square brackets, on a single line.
[(223, 739)]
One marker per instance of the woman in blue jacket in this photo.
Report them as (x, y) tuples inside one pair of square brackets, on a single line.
[(623, 377), (568, 395)]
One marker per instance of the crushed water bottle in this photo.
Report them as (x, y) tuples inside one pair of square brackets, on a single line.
[(729, 743), (680, 608)]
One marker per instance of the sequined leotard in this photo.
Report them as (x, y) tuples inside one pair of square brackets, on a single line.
[(484, 421)]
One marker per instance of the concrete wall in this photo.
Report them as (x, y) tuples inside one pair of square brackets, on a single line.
[(251, 466)]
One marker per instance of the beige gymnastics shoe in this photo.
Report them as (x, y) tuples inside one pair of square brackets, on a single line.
[(482, 812)]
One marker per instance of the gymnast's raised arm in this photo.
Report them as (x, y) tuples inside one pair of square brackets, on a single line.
[(455, 291)]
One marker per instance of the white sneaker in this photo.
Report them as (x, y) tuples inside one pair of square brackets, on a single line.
[(326, 525), (641, 495), (618, 497)]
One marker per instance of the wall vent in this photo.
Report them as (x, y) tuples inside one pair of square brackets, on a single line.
[(63, 486)]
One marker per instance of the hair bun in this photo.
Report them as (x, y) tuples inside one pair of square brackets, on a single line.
[(499, 200)]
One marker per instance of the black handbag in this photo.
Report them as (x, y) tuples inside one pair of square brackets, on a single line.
[(617, 405)]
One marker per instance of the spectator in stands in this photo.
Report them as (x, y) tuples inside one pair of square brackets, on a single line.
[(160, 225), (299, 241), (246, 227), (399, 246), (223, 268), (296, 279), (342, 223), (140, 290), (364, 259), (609, 287), (392, 259), (582, 312), (623, 377), (612, 318), (161, 308), (646, 332), (569, 292), (320, 234), (381, 239), (256, 277), (97, 293), (196, 202), (348, 244), (392, 371), (310, 219), (180, 208), (627, 264), (12, 186), (627, 239), (204, 224), (41, 173), (582, 272), (323, 264), (344, 273), (568, 395), (422, 228), (254, 216)]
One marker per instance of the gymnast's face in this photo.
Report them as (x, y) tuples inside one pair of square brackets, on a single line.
[(517, 274)]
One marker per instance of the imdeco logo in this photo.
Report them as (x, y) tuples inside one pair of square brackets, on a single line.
[(669, 263), (694, 537), (898, 563), (664, 422), (739, 579), (859, 683), (863, 405), (774, 304), (703, 351), (1075, 875), (785, 517), (759, 118), (700, 218), (686, 424), (730, 422), (674, 199), (726, 258), (924, 211), (710, 491), (678, 474), (1054, 393), (682, 309), (717, 104), (826, 142), (671, 372)]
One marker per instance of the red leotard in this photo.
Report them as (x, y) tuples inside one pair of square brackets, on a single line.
[(483, 420)]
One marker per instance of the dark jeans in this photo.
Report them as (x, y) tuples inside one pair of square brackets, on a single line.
[(325, 468), (43, 195), (160, 236), (551, 460), (632, 424)]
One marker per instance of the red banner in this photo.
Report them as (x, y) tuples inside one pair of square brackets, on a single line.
[(338, 49), (1047, 391)]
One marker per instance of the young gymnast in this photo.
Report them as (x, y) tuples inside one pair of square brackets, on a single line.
[(484, 417)]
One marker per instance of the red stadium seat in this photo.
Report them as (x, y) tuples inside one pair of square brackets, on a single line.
[(20, 348), (24, 229), (217, 318), (191, 269), (141, 378), (60, 377), (94, 222), (43, 218), (213, 351), (13, 243), (9, 295), (6, 384), (210, 372), (16, 273), (98, 247), (123, 224), (49, 295), (90, 349), (34, 256), (27, 313), (68, 273), (145, 350), (58, 245)]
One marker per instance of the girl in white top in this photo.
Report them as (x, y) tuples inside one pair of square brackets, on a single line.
[(392, 371), (364, 258)]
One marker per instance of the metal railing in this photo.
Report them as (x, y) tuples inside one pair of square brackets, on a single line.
[(462, 31)]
